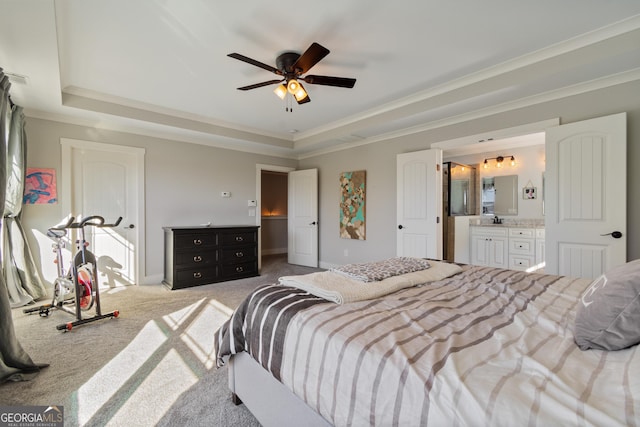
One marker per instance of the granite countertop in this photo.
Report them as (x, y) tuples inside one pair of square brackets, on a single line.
[(508, 223)]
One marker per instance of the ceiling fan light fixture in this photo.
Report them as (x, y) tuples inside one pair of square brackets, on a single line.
[(293, 86), (281, 91), (300, 94)]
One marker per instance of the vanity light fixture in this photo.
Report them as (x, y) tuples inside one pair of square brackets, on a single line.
[(499, 161)]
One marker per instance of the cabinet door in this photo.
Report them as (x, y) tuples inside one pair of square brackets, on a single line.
[(479, 250), (498, 252)]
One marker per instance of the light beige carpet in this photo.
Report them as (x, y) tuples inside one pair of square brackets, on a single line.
[(154, 365)]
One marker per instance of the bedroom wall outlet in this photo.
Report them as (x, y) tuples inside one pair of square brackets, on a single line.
[(226, 194)]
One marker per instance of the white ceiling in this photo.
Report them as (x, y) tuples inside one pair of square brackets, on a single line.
[(160, 67)]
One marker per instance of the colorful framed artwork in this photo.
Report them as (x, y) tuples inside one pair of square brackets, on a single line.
[(40, 187), (352, 205)]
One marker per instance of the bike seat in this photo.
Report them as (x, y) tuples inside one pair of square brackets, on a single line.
[(56, 233)]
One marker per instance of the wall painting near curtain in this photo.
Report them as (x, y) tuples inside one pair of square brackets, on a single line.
[(40, 186), (352, 205)]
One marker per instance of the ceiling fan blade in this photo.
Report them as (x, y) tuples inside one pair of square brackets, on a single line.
[(330, 81), (310, 57), (254, 62), (257, 85)]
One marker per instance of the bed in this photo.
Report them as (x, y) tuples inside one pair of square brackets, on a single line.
[(474, 346)]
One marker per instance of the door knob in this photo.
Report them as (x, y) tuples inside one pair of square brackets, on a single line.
[(313, 223), (130, 226), (614, 234), (400, 227)]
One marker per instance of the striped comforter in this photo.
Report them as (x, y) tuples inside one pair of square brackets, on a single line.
[(484, 347)]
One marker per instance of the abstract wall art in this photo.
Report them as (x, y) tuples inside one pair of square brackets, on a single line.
[(40, 186), (352, 205)]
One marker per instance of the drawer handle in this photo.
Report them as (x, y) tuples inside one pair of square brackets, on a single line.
[(239, 239), (197, 275), (197, 258), (520, 246), (197, 241), (239, 269), (239, 254)]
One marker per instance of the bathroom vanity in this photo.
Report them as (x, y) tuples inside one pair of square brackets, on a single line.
[(516, 246)]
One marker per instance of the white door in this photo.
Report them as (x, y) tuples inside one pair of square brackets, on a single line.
[(419, 204), (585, 204), (303, 218), (106, 180)]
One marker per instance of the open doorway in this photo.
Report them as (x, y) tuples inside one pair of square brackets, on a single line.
[(273, 213), (272, 206), (526, 143)]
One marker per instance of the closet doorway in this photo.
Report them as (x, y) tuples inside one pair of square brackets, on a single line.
[(271, 210)]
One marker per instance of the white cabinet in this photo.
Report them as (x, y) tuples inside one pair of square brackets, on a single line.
[(522, 248), (489, 246), (507, 247)]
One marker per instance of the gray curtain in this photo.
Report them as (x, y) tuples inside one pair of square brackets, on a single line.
[(15, 363), (20, 272)]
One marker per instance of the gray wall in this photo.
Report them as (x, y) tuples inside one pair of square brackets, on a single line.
[(379, 160), (182, 184), (183, 181)]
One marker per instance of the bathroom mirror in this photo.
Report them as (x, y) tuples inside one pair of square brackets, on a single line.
[(500, 195), (460, 195)]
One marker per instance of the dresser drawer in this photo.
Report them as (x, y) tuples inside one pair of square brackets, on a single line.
[(196, 258), (238, 238), (522, 246), (242, 269), (239, 254), (196, 276), (195, 241), (522, 232), (517, 262)]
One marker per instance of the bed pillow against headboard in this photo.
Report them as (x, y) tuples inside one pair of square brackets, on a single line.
[(608, 315)]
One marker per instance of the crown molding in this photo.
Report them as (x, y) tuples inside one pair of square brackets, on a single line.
[(549, 96), (629, 25)]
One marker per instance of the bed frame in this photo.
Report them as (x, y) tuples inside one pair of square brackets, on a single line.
[(269, 400)]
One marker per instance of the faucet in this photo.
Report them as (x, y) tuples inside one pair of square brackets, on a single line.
[(497, 220)]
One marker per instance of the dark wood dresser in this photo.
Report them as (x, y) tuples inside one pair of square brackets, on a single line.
[(200, 255)]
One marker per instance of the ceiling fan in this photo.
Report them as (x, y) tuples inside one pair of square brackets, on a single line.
[(291, 66)]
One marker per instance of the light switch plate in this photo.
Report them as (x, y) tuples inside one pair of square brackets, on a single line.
[(252, 203), (226, 194)]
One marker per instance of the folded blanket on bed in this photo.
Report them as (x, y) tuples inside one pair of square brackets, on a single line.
[(380, 270), (338, 288)]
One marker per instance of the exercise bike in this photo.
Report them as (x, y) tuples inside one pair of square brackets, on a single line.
[(78, 285)]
